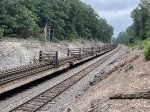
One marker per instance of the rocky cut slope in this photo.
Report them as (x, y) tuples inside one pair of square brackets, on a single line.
[(17, 53)]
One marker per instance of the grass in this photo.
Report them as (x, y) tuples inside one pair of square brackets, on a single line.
[(147, 51), (143, 45)]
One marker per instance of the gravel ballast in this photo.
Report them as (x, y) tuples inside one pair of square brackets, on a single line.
[(61, 103)]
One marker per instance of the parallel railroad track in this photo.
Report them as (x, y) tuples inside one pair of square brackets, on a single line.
[(27, 70), (36, 103), (23, 72)]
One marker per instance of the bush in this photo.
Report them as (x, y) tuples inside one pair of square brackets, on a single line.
[(1, 32), (147, 52)]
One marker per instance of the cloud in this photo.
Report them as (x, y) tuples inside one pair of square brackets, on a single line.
[(116, 12), (120, 20), (112, 5)]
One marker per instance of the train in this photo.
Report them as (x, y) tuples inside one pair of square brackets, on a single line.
[(48, 63)]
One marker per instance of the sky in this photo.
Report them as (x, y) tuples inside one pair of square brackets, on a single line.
[(116, 12)]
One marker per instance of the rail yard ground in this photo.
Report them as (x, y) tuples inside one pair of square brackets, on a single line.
[(125, 74)]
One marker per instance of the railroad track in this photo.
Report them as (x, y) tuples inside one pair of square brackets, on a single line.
[(28, 70), (48, 63), (36, 103), (24, 71)]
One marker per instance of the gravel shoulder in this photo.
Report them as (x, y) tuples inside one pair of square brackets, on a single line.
[(126, 72), (131, 74), (76, 92), (7, 104)]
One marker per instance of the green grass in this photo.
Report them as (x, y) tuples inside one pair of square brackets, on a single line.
[(143, 45), (147, 51), (1, 33)]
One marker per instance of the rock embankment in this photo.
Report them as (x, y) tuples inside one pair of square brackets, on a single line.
[(18, 53)]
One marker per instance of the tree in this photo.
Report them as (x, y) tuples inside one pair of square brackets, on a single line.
[(70, 19), (123, 38), (140, 29)]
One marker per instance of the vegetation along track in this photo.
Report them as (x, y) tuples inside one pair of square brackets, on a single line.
[(36, 103)]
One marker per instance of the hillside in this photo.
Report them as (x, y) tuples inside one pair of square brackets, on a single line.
[(15, 53)]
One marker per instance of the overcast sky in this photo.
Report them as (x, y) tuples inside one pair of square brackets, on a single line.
[(116, 12)]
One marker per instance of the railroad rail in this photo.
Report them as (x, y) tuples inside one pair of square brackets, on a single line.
[(36, 103), (49, 60)]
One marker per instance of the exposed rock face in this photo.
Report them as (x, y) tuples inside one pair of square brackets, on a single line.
[(18, 53)]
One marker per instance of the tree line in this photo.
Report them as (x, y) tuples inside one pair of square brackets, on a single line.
[(140, 29), (70, 19)]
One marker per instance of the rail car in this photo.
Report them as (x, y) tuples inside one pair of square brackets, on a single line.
[(48, 63), (74, 54)]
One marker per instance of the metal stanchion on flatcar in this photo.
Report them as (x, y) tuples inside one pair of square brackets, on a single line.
[(80, 53), (92, 51), (68, 52), (40, 56), (56, 60)]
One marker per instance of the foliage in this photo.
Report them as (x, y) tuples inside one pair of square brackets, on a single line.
[(1, 32), (147, 51), (70, 19), (143, 45), (123, 38), (140, 29)]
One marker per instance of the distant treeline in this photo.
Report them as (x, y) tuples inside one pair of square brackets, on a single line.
[(70, 19), (140, 29)]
